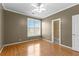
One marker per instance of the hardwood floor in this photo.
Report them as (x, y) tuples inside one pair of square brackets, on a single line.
[(37, 48)]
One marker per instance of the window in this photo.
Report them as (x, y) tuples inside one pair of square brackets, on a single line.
[(34, 28)]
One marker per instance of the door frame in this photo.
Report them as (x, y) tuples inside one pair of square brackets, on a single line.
[(58, 19)]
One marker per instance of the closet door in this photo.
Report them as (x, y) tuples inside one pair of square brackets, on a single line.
[(75, 32)]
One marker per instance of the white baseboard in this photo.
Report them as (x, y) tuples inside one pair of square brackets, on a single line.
[(1, 49), (14, 43), (32, 40), (17, 42), (66, 46), (59, 44)]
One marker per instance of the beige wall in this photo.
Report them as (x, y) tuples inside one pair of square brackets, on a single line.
[(15, 27), (66, 25), (1, 27), (46, 31)]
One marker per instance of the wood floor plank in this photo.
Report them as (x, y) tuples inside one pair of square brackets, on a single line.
[(37, 48)]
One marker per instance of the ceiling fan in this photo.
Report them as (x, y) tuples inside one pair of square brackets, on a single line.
[(38, 7)]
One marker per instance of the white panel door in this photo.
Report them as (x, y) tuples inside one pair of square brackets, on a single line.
[(75, 32)]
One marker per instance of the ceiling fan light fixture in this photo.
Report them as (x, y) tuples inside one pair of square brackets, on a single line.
[(39, 7)]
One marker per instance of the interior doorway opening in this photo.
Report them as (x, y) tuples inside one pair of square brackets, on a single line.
[(56, 31)]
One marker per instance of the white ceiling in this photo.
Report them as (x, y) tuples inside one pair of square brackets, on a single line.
[(26, 8)]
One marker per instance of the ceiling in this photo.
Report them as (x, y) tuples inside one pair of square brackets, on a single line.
[(26, 8)]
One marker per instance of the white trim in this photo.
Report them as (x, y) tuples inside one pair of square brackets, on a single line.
[(32, 40), (52, 32), (22, 13), (59, 19), (1, 49), (18, 42), (63, 9), (14, 44), (61, 45), (11, 10), (66, 46), (41, 18)]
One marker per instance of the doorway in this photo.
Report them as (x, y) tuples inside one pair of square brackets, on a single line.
[(56, 31)]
